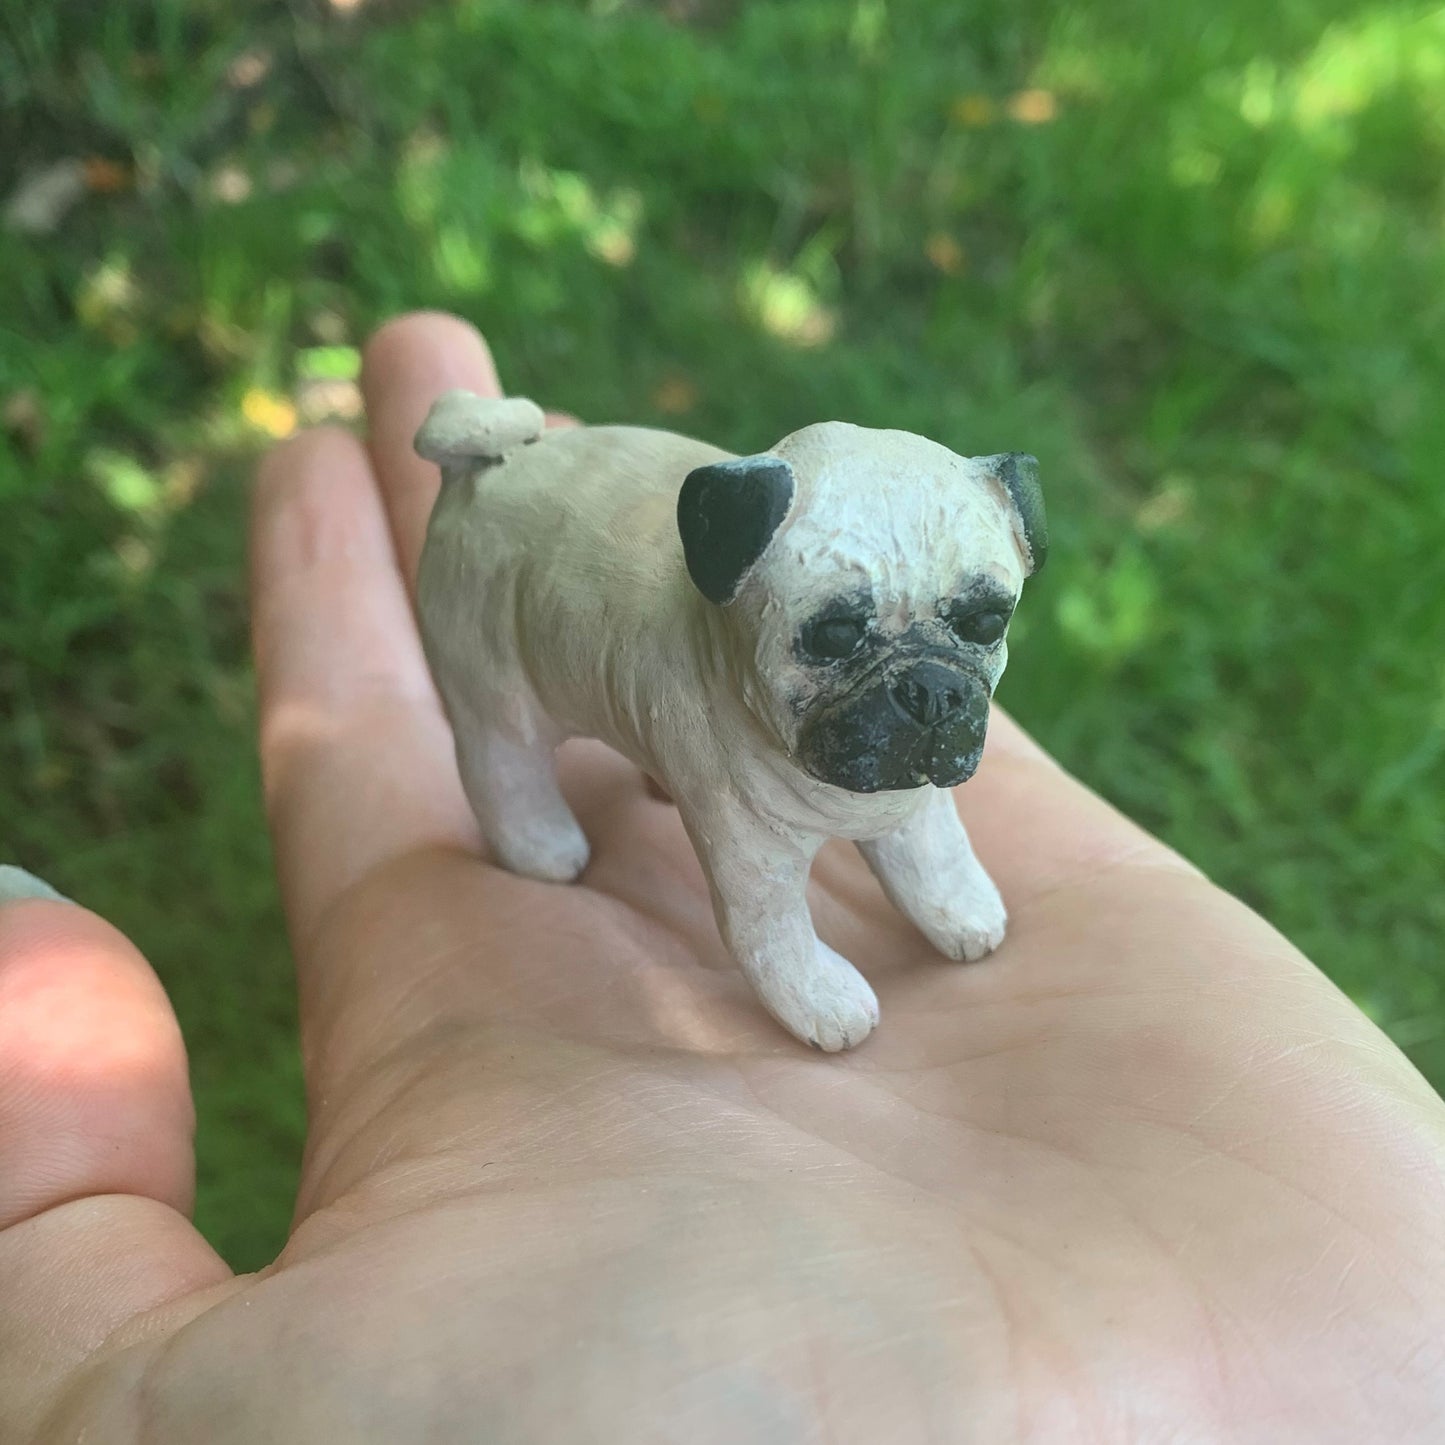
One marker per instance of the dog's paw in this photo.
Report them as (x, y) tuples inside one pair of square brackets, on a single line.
[(837, 1024), (554, 852), (971, 924), (830, 1005)]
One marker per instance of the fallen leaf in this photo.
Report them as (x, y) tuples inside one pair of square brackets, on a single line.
[(105, 177)]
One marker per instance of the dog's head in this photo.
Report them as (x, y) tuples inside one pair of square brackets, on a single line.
[(871, 576)]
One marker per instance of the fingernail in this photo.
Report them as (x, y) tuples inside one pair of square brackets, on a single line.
[(16, 883)]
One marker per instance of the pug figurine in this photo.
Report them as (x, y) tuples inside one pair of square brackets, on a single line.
[(798, 645)]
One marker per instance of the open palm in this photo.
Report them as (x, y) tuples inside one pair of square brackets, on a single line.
[(1143, 1175)]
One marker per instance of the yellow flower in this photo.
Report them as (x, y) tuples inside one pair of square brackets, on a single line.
[(268, 412)]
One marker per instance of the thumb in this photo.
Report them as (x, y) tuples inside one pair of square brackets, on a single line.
[(96, 1121), (94, 1095)]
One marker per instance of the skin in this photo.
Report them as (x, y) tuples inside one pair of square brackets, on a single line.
[(1142, 1176)]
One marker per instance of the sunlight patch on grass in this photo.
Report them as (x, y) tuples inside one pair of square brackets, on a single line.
[(1259, 93), (1382, 57), (867, 33), (328, 363), (125, 482), (1168, 507), (1359, 61), (563, 203), (108, 299), (1114, 614), (1272, 210), (146, 496), (460, 260), (786, 305), (1194, 165), (145, 492), (1033, 107), (419, 177)]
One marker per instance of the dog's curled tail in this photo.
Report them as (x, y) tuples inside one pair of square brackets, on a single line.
[(462, 428)]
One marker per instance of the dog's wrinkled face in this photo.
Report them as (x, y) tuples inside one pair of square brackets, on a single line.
[(877, 609), (901, 699)]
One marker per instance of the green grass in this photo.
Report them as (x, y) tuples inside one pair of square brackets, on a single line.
[(1199, 274)]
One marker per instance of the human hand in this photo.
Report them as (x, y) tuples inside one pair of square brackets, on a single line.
[(1143, 1175)]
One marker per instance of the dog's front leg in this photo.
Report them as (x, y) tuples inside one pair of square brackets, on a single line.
[(759, 890), (929, 871)]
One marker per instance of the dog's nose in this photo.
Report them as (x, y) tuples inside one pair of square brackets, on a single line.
[(930, 694)]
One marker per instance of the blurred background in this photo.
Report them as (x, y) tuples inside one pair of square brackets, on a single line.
[(1192, 256)]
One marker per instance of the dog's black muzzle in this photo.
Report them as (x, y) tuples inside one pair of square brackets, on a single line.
[(911, 723)]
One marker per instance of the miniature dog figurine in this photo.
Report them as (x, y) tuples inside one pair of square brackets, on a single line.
[(797, 645)]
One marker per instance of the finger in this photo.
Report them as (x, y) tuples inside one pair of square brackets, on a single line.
[(408, 363), (94, 1097), (96, 1164), (355, 751)]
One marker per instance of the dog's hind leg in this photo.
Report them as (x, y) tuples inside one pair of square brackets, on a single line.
[(511, 784)]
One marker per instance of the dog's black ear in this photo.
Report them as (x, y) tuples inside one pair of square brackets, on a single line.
[(1019, 473), (726, 515)]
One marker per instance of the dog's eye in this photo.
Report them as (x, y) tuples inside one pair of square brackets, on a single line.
[(984, 628), (834, 637)]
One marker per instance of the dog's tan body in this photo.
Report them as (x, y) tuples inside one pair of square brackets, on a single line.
[(556, 601)]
